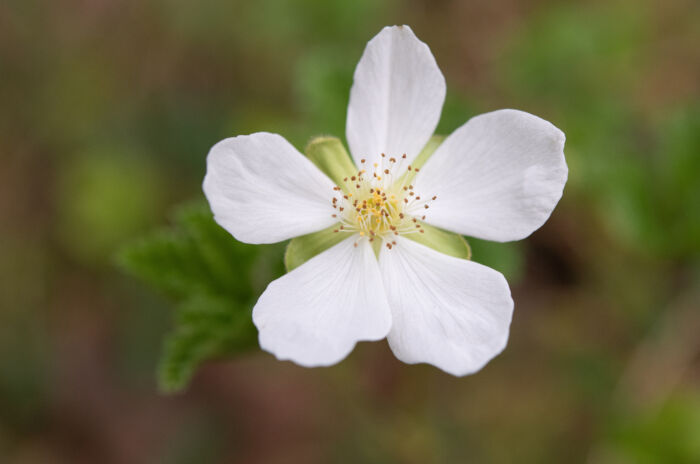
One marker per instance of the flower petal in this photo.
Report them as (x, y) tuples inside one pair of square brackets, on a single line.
[(262, 190), (446, 311), (315, 314), (396, 97), (498, 177)]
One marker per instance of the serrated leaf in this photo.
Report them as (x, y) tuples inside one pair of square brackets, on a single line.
[(215, 280), (206, 328)]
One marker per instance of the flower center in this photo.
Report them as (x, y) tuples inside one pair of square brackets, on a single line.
[(380, 205)]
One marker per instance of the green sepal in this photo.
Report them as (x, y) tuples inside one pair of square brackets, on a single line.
[(330, 156), (427, 151), (433, 237), (301, 249), (443, 241)]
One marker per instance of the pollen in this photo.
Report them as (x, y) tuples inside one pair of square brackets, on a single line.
[(380, 202)]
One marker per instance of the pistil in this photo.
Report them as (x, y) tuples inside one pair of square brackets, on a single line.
[(380, 205)]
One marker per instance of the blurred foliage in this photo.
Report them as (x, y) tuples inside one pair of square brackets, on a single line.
[(661, 433), (640, 169), (215, 280), (107, 112), (97, 213)]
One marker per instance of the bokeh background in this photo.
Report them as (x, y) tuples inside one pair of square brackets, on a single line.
[(107, 111)]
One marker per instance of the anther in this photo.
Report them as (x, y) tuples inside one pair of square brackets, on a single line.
[(404, 156), (362, 160), (435, 197)]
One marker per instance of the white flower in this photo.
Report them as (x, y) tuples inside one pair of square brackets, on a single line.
[(497, 177)]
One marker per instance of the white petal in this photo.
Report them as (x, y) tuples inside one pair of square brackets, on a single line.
[(498, 177), (262, 190), (448, 312), (396, 97), (315, 314)]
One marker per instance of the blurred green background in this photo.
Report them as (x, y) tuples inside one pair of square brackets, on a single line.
[(107, 111)]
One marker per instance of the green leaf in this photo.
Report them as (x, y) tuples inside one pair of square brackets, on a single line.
[(330, 156), (215, 281), (443, 241), (206, 327), (301, 249)]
